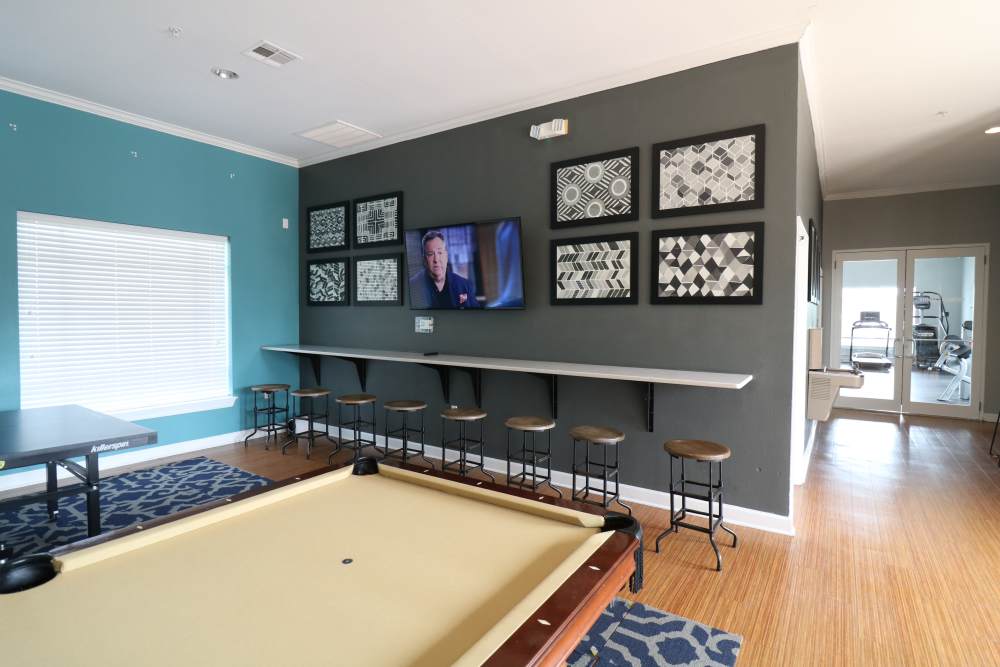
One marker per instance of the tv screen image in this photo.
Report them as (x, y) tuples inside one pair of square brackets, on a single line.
[(465, 267)]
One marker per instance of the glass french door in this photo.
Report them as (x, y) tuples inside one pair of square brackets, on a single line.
[(867, 331), (909, 320), (945, 301)]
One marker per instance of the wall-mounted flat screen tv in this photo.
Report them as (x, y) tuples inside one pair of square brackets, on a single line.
[(471, 266)]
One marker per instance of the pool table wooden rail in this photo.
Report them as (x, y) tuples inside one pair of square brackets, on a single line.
[(556, 627)]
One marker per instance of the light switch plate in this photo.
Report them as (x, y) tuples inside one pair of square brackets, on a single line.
[(284, 223), (423, 324)]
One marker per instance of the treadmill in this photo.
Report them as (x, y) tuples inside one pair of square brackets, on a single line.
[(871, 319)]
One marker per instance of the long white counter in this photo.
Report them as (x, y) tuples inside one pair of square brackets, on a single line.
[(550, 370)]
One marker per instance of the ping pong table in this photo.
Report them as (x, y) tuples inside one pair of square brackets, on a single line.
[(56, 435)]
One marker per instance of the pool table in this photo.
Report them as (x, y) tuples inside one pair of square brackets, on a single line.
[(365, 564)]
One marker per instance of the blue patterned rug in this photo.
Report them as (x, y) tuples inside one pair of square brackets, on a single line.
[(630, 633), (126, 499)]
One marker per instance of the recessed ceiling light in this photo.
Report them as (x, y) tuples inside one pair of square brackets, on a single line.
[(993, 130), (225, 73)]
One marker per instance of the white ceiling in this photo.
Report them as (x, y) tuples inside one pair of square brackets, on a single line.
[(877, 72)]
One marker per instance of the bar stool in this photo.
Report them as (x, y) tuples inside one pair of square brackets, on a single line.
[(711, 453), (531, 453), (605, 438), (272, 425), (463, 417), (404, 409), (356, 423), (310, 394)]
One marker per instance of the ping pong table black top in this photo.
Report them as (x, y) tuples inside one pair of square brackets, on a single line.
[(40, 435), (54, 436)]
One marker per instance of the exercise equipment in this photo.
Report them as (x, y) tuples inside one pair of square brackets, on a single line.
[(871, 319), (929, 330), (955, 357)]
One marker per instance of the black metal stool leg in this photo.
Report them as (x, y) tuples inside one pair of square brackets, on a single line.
[(293, 438), (712, 522), (618, 497), (721, 505), (548, 453), (671, 528), (482, 451), (246, 440)]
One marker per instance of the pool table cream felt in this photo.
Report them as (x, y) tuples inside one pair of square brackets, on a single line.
[(443, 573)]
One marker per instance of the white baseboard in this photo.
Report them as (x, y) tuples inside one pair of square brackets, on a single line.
[(741, 516), (16, 480), (989, 417)]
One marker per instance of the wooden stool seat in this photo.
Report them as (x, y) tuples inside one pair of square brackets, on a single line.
[(404, 406), (269, 388), (463, 414), (310, 392), (356, 399), (530, 423), (697, 450), (599, 435)]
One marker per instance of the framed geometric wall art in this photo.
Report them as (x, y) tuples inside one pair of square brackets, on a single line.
[(716, 172), (378, 220), (595, 270), (700, 265), (378, 280), (327, 282), (595, 189), (327, 227)]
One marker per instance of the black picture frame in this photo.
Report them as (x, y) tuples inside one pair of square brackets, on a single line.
[(633, 215), (398, 301), (346, 301), (815, 263), (346, 206), (631, 299), (756, 298), (398, 195), (759, 153)]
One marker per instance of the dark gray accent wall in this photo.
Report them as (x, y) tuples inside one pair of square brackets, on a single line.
[(808, 192), (945, 217), (493, 169)]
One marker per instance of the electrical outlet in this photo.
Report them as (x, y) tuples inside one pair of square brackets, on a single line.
[(284, 223)]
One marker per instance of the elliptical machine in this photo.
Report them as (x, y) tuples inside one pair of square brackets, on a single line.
[(929, 330)]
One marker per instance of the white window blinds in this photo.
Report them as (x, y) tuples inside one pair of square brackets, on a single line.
[(127, 320)]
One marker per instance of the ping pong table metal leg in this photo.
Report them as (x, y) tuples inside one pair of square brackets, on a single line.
[(93, 497), (51, 500)]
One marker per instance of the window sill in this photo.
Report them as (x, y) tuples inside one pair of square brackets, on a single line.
[(154, 411)]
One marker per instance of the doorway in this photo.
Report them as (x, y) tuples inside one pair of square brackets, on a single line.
[(909, 319)]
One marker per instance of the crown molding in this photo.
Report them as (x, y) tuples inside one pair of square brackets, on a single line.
[(80, 104), (910, 190), (789, 34)]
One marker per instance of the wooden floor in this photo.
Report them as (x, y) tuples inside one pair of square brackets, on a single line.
[(896, 559)]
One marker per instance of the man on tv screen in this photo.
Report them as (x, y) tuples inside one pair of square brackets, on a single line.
[(436, 285)]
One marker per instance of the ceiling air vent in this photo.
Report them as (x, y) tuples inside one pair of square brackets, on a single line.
[(272, 54), (340, 134)]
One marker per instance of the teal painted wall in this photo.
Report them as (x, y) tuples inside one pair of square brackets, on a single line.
[(66, 162)]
